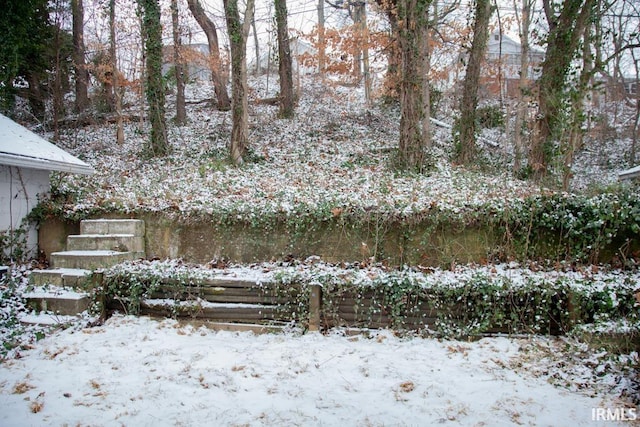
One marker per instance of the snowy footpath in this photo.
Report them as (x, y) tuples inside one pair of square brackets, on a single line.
[(141, 372)]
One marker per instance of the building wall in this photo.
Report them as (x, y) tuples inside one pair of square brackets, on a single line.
[(19, 191)]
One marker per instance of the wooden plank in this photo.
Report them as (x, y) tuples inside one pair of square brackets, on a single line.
[(245, 315), (315, 298)]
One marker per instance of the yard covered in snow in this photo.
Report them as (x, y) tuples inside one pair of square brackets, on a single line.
[(136, 371)]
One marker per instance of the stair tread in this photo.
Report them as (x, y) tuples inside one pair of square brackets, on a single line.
[(62, 294), (65, 271), (45, 319), (102, 236), (89, 253)]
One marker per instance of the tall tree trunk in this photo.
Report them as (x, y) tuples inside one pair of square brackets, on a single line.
[(238, 32), (394, 61), (36, 95), (287, 101), (522, 101), (565, 30), (636, 118), (79, 63), (158, 144), (57, 91), (362, 29), (256, 47), (115, 76), (181, 109), (322, 55), (468, 152), (413, 31), (209, 28)]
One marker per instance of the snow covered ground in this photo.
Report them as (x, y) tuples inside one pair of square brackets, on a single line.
[(142, 372)]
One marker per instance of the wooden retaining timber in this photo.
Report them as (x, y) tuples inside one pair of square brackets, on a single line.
[(262, 306)]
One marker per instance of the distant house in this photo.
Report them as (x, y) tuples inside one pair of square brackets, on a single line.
[(501, 72), (26, 160), (300, 52), (195, 56)]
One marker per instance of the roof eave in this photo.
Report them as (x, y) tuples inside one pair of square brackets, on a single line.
[(629, 174), (44, 164)]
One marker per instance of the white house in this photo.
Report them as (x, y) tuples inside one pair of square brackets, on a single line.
[(502, 67), (25, 162)]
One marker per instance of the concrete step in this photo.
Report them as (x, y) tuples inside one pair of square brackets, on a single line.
[(63, 277), (48, 319), (111, 242), (57, 301), (112, 226), (90, 260)]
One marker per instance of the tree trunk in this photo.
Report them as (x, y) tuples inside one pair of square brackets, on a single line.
[(257, 70), (158, 144), (56, 87), (468, 152), (181, 109), (564, 34), (362, 30), (522, 101), (238, 33), (322, 55), (413, 31), (636, 118), (115, 80), (287, 101), (79, 64), (209, 28), (394, 60)]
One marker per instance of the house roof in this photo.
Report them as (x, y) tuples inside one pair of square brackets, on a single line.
[(23, 148), (629, 173)]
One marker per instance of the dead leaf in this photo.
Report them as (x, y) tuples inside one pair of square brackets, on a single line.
[(407, 386)]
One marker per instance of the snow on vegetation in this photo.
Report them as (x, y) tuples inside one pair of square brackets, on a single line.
[(335, 154)]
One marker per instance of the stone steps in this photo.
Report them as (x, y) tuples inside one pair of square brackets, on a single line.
[(90, 260), (114, 242), (61, 277), (103, 243), (58, 301)]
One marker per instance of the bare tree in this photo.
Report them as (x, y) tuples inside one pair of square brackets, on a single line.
[(238, 32), (322, 55), (209, 28), (287, 101), (567, 22), (115, 73), (79, 63), (469, 101), (181, 110), (524, 91), (154, 88), (256, 47), (413, 38)]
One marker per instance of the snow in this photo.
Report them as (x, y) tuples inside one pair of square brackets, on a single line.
[(52, 291), (137, 371), (334, 154)]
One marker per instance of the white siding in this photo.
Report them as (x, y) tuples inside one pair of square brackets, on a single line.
[(19, 190)]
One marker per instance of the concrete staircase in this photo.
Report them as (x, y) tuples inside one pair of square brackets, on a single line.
[(64, 288)]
